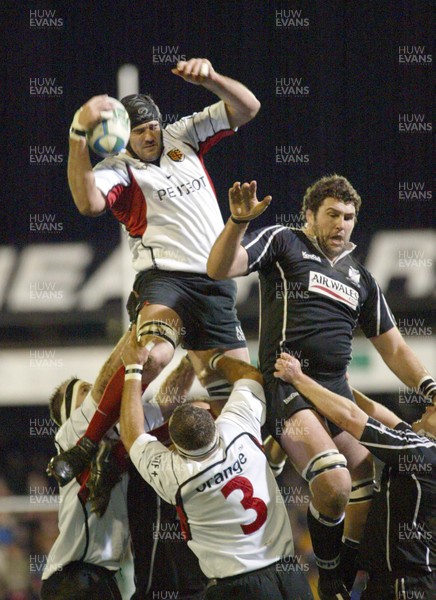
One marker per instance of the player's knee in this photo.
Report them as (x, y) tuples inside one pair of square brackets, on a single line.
[(332, 495), (329, 481), (158, 359)]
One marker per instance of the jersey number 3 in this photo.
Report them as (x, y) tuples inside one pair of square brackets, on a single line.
[(248, 501)]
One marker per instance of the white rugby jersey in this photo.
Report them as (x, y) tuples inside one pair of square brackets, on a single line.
[(231, 510), (169, 207), (83, 536)]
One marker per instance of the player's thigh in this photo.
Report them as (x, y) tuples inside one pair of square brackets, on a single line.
[(200, 361), (303, 436), (157, 313), (359, 459)]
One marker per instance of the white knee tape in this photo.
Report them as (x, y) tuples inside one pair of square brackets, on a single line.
[(322, 462), (361, 491)]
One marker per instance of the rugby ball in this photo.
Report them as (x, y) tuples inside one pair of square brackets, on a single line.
[(111, 135)]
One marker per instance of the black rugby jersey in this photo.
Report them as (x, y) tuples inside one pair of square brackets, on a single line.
[(310, 306), (400, 533)]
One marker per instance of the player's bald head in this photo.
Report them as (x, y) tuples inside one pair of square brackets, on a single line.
[(192, 430)]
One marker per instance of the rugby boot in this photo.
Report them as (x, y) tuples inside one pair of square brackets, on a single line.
[(65, 466), (332, 589), (105, 474)]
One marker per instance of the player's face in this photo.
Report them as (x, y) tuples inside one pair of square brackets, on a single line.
[(427, 421), (83, 392), (84, 388), (332, 225), (146, 141)]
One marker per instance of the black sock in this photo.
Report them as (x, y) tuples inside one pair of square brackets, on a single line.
[(326, 534), (349, 553)]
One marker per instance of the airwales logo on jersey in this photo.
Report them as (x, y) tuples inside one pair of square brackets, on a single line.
[(335, 290), (176, 155)]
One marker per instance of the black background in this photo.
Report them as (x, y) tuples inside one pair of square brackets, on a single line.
[(347, 55)]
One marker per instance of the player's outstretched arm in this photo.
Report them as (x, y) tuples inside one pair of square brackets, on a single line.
[(87, 197), (227, 257), (134, 357), (338, 409), (375, 410), (233, 369), (175, 387), (241, 104), (402, 361)]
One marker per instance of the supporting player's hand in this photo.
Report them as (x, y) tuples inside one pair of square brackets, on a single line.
[(288, 368), (133, 352), (195, 70), (92, 112), (244, 204)]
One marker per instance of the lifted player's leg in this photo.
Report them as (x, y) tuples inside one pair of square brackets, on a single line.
[(316, 457), (218, 389), (158, 327)]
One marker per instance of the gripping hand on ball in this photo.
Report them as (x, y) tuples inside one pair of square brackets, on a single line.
[(244, 204), (95, 110), (195, 70)]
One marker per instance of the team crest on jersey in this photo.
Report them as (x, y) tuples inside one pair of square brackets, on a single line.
[(333, 289), (176, 155), (354, 275)]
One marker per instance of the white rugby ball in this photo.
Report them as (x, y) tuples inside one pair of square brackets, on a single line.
[(111, 135)]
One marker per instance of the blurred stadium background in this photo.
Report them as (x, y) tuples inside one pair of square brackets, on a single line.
[(345, 87)]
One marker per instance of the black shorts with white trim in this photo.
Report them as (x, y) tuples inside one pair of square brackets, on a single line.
[(206, 307), (283, 401)]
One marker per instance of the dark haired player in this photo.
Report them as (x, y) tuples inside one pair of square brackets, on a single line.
[(313, 295), (160, 191)]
